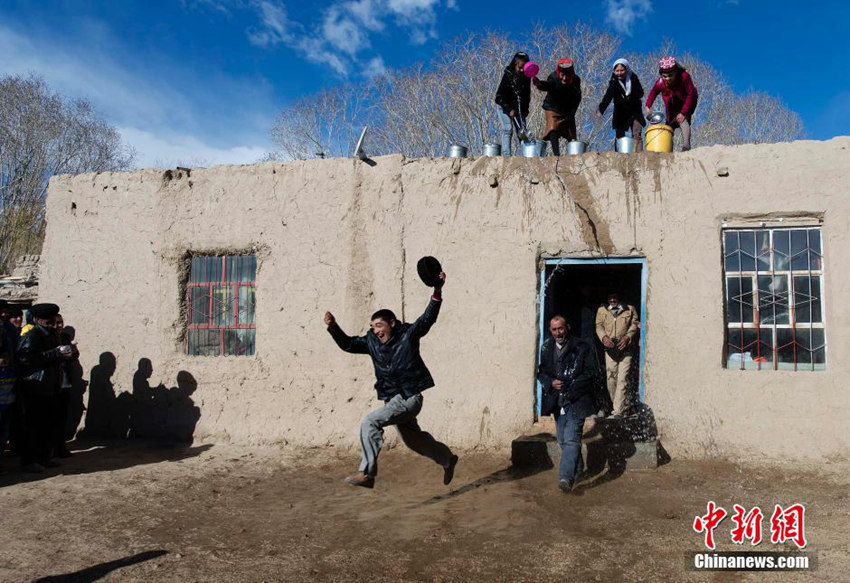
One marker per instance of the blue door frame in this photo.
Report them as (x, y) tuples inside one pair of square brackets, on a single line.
[(606, 261)]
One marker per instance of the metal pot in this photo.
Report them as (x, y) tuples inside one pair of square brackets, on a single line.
[(656, 117), (457, 151), (576, 147), (625, 145), (492, 150), (532, 148)]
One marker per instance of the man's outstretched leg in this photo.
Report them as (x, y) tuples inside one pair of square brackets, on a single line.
[(396, 410), (424, 444)]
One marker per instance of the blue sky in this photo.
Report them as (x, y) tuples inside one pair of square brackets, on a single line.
[(201, 80)]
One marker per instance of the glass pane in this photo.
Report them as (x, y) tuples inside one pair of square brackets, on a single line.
[(773, 299), (739, 302), (748, 251), (803, 337), (785, 345), (204, 342), (799, 250), (781, 246), (740, 348), (803, 299), (247, 304), (815, 254), (222, 308), (763, 241), (239, 342), (730, 249), (818, 347), (199, 305)]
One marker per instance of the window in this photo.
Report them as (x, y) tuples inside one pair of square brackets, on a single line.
[(221, 301), (774, 299)]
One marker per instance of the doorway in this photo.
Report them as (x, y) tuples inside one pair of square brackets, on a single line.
[(575, 288)]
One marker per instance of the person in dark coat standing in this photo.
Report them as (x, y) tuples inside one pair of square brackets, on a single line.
[(513, 98), (625, 90), (680, 97), (566, 372), (40, 357), (401, 376), (563, 96)]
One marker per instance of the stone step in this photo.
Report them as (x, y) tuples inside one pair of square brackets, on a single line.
[(606, 444)]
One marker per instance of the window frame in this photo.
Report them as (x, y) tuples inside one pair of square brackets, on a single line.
[(793, 306), (212, 286)]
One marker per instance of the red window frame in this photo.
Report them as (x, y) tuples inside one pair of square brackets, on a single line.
[(212, 285)]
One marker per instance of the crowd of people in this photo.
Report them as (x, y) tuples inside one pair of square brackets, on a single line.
[(563, 97), (36, 367)]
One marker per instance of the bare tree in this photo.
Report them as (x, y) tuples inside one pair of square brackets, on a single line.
[(423, 109), (42, 134)]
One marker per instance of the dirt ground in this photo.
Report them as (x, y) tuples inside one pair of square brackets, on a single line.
[(143, 512)]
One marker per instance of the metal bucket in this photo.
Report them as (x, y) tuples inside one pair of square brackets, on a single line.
[(576, 147), (625, 145), (492, 150), (532, 148), (457, 151)]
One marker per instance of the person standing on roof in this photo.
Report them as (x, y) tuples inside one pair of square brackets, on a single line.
[(680, 97), (513, 98), (563, 96), (625, 90)]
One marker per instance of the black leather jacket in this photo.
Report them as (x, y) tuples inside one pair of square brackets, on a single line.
[(39, 362), (576, 369), (399, 368)]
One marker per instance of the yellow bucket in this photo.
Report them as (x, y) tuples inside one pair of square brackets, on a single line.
[(659, 138)]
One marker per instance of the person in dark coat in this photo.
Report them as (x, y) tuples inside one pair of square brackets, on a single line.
[(563, 96), (40, 357), (401, 376), (566, 372), (680, 97), (625, 90), (513, 98)]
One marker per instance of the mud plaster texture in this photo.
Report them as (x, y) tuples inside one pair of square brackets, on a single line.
[(342, 235)]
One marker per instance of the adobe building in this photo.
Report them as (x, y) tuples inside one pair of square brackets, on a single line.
[(734, 256)]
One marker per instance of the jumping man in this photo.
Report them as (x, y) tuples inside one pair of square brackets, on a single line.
[(401, 376)]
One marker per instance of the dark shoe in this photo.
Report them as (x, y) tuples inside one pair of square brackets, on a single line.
[(566, 485), (33, 468), (361, 479), (63, 453), (449, 470)]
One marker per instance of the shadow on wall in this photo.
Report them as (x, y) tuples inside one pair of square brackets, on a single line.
[(148, 412)]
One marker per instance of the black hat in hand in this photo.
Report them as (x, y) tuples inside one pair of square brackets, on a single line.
[(429, 270)]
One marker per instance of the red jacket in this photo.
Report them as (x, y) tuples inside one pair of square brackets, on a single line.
[(680, 98)]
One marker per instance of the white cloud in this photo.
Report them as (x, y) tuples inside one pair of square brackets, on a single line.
[(168, 151), (622, 14), (186, 115), (344, 29), (375, 67)]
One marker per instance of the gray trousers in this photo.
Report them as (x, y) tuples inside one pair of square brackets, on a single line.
[(402, 413)]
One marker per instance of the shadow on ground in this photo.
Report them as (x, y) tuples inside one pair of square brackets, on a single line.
[(96, 572)]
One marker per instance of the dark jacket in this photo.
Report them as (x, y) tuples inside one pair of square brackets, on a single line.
[(560, 97), (39, 365), (575, 368), (514, 92), (626, 109), (399, 368)]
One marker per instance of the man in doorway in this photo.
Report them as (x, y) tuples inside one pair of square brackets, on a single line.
[(401, 377), (617, 329), (566, 373)]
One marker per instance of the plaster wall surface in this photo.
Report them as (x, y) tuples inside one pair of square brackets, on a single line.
[(342, 235)]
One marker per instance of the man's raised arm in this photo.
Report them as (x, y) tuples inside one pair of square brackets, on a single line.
[(424, 322), (353, 344)]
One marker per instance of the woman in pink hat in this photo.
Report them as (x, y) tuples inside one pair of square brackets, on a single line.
[(563, 96), (680, 96)]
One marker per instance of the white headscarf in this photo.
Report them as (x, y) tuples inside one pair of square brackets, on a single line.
[(627, 86)]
